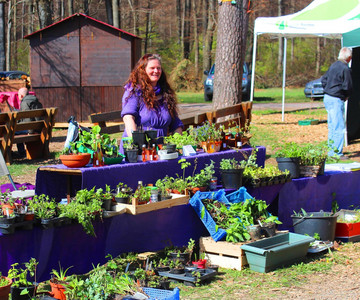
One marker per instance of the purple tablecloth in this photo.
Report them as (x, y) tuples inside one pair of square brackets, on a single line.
[(54, 184), (318, 193), (71, 246)]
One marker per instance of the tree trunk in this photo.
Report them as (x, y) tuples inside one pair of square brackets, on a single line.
[(86, 7), (281, 40), (8, 37), (2, 36), (70, 7), (147, 26), (187, 16), (208, 36), (230, 52), (115, 13), (318, 56), (109, 12), (196, 36), (30, 27), (14, 46), (179, 21), (45, 13)]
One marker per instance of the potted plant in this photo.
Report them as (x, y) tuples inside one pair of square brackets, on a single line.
[(7, 203), (58, 283), (84, 208), (7, 219), (5, 284), (312, 159), (21, 287), (311, 223), (180, 140), (164, 186), (208, 136), (130, 150), (44, 208), (288, 158), (123, 193), (142, 195), (231, 172), (106, 197), (200, 181), (163, 265)]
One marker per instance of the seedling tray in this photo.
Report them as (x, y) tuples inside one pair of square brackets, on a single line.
[(55, 222), (10, 228), (308, 122), (186, 277)]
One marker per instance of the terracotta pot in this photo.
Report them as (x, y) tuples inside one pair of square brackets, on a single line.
[(5, 290), (8, 207), (29, 217), (75, 160), (57, 290)]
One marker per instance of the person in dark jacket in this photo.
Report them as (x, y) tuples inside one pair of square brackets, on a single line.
[(337, 84), (28, 102)]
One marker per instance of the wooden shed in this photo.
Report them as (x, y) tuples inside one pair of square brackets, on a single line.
[(80, 64)]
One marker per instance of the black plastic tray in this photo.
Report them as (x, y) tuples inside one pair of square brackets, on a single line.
[(55, 222), (10, 228), (186, 277)]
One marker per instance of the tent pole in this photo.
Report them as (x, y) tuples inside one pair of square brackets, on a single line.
[(283, 83), (253, 68)]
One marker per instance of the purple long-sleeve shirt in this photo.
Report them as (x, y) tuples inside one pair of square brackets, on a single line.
[(159, 118)]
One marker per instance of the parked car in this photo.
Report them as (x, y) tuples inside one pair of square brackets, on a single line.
[(12, 74), (314, 89), (209, 82)]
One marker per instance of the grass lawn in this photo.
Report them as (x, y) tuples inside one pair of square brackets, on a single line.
[(273, 95)]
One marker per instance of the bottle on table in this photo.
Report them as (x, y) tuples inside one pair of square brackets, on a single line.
[(95, 156), (238, 143), (154, 154), (223, 145), (143, 153)]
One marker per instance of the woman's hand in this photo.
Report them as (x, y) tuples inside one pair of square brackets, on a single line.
[(130, 125)]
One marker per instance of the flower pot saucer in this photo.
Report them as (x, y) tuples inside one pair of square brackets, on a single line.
[(319, 246)]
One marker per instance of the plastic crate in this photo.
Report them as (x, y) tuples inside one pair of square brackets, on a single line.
[(157, 294), (238, 196), (216, 233)]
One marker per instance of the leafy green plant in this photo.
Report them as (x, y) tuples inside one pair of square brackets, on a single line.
[(43, 206), (142, 194), (20, 275), (83, 208), (232, 163), (61, 274), (290, 149), (181, 140), (201, 179)]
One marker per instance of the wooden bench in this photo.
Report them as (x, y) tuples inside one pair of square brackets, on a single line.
[(111, 122), (36, 141)]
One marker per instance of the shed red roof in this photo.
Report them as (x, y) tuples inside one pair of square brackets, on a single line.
[(79, 15)]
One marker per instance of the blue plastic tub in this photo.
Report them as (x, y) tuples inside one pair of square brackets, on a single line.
[(157, 294), (216, 233), (238, 196)]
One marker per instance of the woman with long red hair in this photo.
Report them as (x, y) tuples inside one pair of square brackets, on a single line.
[(148, 101)]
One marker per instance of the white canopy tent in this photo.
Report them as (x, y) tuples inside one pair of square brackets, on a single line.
[(321, 18)]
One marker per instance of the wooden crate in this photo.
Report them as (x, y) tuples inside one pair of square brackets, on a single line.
[(224, 254), (140, 209)]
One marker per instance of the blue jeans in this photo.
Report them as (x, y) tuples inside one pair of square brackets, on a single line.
[(336, 124)]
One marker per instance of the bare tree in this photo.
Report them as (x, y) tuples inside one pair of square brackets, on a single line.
[(109, 11), (2, 35), (8, 36), (230, 52), (44, 12), (115, 13), (209, 34), (147, 25), (70, 6), (196, 36)]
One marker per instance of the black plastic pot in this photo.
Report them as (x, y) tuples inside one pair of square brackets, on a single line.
[(139, 139), (152, 136), (7, 220), (124, 200), (183, 257), (16, 293), (268, 229), (131, 155), (292, 164), (232, 178), (322, 223), (177, 271), (170, 148), (254, 231), (106, 205), (165, 284)]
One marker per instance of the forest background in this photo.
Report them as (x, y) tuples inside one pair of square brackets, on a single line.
[(183, 32)]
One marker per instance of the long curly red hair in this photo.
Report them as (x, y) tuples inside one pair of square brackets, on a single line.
[(140, 83)]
